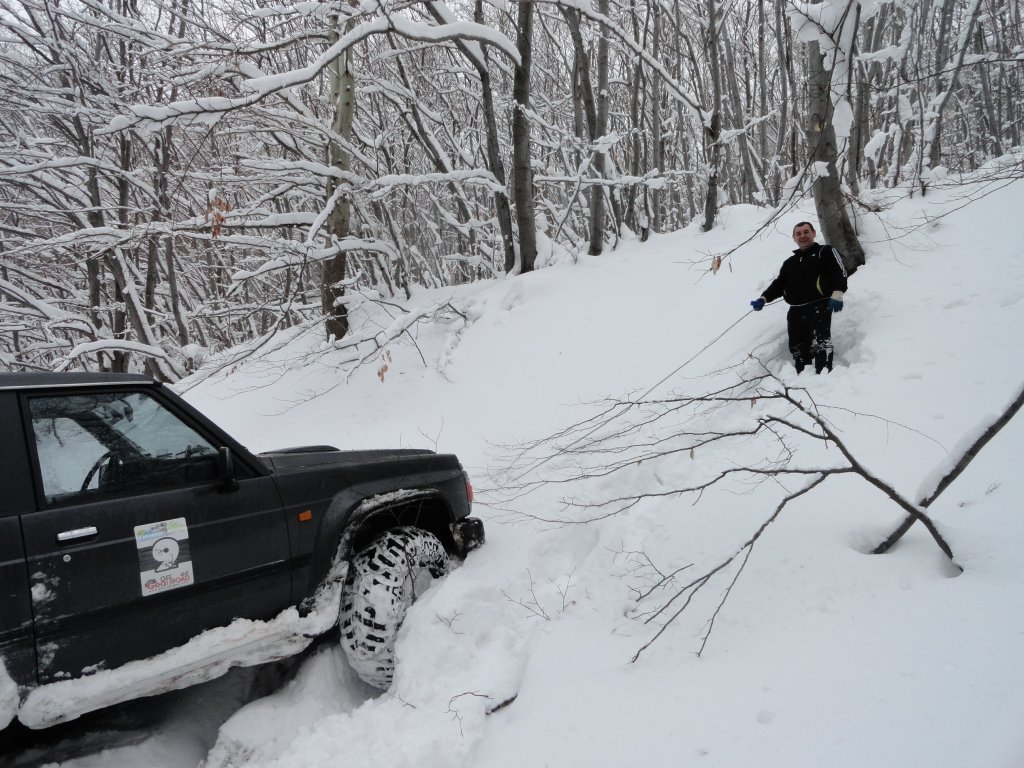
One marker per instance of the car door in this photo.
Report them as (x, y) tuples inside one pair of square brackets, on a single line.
[(17, 656), (138, 544), (17, 653)]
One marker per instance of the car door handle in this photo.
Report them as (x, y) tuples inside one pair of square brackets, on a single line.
[(77, 533)]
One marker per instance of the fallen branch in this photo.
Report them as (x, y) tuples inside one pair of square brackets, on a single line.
[(968, 456), (751, 431), (859, 469), (695, 586)]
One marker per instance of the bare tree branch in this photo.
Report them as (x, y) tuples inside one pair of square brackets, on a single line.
[(947, 480)]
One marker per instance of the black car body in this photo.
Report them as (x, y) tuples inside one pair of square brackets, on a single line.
[(130, 523)]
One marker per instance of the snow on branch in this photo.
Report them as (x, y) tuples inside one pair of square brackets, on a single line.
[(381, 186), (347, 355), (305, 252), (212, 109), (443, 14), (623, 35), (117, 345), (44, 309)]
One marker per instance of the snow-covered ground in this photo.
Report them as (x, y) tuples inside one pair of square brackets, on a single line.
[(820, 654)]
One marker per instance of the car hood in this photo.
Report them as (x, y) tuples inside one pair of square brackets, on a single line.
[(320, 455)]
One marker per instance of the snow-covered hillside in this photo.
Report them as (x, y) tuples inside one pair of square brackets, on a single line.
[(821, 654)]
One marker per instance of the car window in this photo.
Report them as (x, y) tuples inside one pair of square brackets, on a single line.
[(115, 443)]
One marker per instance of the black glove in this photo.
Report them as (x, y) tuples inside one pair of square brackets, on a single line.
[(758, 304)]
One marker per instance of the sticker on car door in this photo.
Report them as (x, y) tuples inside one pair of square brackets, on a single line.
[(165, 559)]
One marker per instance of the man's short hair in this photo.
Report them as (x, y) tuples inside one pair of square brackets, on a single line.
[(802, 223)]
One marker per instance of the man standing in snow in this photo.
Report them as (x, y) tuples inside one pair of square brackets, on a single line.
[(812, 281)]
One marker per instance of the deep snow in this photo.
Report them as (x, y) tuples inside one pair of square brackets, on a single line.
[(822, 654)]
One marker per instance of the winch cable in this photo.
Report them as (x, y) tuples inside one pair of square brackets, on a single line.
[(626, 406)]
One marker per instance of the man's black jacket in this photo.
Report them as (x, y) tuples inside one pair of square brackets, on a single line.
[(809, 275)]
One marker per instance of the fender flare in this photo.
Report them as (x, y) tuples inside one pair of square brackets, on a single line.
[(346, 517)]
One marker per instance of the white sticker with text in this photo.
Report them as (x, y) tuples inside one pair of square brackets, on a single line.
[(165, 558)]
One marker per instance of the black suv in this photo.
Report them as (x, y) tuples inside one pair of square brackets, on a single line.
[(131, 528)]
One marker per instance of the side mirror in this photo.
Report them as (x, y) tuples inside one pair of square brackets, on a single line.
[(226, 470)]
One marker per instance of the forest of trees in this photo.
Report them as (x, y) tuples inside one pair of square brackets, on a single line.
[(178, 177)]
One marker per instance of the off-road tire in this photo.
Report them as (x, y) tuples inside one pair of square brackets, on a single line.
[(383, 581)]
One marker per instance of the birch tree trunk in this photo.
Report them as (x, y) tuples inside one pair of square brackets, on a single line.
[(339, 221), (821, 139)]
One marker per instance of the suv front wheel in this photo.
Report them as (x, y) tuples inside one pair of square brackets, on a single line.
[(384, 580)]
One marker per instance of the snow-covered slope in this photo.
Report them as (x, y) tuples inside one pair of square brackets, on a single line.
[(822, 654)]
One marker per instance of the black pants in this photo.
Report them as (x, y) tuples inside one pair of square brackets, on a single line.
[(810, 335)]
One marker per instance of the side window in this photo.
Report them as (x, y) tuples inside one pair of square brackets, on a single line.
[(115, 442), (66, 451)]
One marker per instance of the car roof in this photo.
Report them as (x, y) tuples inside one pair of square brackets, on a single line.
[(46, 379)]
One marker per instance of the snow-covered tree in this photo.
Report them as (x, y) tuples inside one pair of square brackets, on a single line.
[(182, 176)]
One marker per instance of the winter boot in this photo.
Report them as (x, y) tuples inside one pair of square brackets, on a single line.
[(823, 361)]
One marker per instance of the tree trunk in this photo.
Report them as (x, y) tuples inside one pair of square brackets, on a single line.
[(713, 128), (597, 207), (750, 174), (861, 104), (174, 293), (762, 104), (787, 93), (522, 170), (343, 93), (492, 146), (595, 108), (135, 312), (945, 89), (637, 221), (657, 140), (828, 194), (92, 271), (501, 205), (992, 129)]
